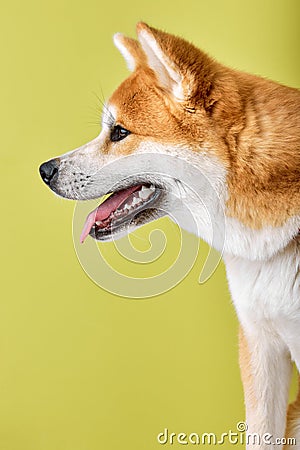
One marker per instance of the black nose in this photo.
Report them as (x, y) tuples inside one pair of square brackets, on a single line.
[(48, 170)]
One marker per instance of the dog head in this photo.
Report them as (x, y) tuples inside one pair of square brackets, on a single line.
[(178, 132)]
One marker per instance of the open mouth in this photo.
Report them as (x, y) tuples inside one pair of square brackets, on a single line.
[(118, 210)]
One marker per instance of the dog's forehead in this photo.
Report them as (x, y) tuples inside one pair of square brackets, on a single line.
[(140, 108), (136, 91)]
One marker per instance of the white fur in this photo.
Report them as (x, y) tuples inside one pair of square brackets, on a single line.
[(262, 265), (167, 74), (108, 117), (123, 49), (266, 295)]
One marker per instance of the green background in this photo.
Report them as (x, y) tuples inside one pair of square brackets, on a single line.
[(82, 369)]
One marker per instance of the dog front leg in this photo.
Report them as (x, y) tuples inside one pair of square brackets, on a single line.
[(266, 372)]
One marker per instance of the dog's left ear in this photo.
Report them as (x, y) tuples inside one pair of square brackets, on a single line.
[(131, 51), (181, 69)]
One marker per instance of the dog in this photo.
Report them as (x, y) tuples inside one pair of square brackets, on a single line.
[(181, 110)]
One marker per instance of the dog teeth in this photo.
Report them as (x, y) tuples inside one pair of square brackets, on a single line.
[(136, 201), (145, 193), (98, 222)]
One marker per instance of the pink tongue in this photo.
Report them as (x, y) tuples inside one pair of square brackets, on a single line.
[(105, 209)]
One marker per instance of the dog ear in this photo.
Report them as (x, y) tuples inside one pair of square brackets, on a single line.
[(130, 50), (181, 69)]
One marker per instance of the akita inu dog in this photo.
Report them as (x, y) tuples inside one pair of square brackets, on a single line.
[(243, 133)]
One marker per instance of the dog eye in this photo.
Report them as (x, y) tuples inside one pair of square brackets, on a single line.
[(118, 133)]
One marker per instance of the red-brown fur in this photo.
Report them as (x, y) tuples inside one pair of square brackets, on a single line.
[(250, 123)]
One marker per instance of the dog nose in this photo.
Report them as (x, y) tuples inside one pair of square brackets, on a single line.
[(48, 170)]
